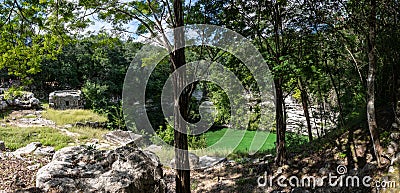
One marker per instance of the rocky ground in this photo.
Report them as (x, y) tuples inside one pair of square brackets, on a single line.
[(350, 149), (19, 174)]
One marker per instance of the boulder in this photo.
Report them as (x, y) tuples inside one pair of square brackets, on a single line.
[(208, 161), (44, 151), (26, 101), (79, 169), (193, 161), (395, 159), (395, 136), (154, 148), (3, 105), (34, 101), (28, 149), (123, 138), (392, 148)]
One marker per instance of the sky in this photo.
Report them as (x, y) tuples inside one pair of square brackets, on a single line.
[(101, 26)]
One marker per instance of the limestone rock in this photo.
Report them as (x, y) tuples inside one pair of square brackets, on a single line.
[(194, 161), (66, 99), (391, 169), (123, 137), (44, 151), (3, 105), (125, 169), (395, 136), (154, 148), (26, 101), (392, 148), (28, 149), (396, 159)]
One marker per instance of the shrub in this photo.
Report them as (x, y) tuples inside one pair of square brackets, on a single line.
[(167, 135)]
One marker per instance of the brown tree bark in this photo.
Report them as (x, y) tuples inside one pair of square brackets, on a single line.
[(280, 120), (372, 125), (280, 124), (182, 178), (304, 102)]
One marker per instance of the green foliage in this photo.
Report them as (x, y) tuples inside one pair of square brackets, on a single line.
[(197, 141), (13, 93), (95, 97), (116, 118), (167, 135), (31, 32), (194, 141)]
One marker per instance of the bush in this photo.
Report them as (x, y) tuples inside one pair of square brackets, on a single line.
[(95, 96), (167, 135), (13, 92)]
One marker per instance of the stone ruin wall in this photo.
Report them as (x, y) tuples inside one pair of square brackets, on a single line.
[(66, 99)]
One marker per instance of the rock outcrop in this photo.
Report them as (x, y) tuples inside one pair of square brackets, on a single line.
[(34, 148), (123, 138), (25, 100), (81, 169)]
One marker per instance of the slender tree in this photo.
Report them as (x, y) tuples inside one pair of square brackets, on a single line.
[(372, 125), (182, 178)]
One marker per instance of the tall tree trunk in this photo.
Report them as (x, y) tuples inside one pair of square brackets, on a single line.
[(372, 125), (182, 178), (336, 89), (304, 101), (278, 80), (280, 124)]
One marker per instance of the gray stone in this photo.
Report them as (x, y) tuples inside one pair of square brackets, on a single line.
[(66, 99), (392, 148), (323, 171), (154, 148), (3, 105), (125, 169), (29, 149), (44, 151), (193, 160), (396, 159), (33, 167), (27, 100), (123, 137), (34, 101), (395, 125), (391, 169), (208, 161), (395, 136), (2, 146), (299, 190)]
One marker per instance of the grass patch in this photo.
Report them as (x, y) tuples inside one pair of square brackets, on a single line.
[(236, 135), (71, 116), (15, 137), (88, 133), (292, 140)]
